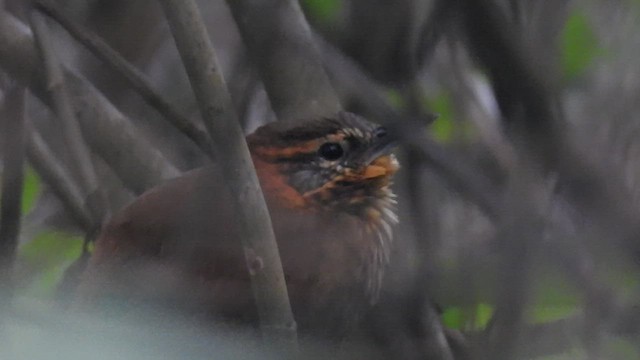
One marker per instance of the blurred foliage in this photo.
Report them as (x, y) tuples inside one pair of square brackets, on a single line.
[(30, 190), (46, 257), (458, 318), (621, 349), (553, 299), (323, 11), (579, 45), (447, 127), (443, 128), (575, 353), (396, 99)]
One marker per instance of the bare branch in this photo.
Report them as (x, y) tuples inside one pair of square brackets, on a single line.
[(80, 154), (106, 130), (54, 174), (11, 196), (522, 224), (269, 288), (280, 43), (136, 79)]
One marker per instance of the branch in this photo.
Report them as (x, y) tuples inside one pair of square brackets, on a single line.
[(54, 174), (135, 78), (279, 41), (11, 197), (520, 229), (199, 58), (78, 151), (440, 18), (106, 130)]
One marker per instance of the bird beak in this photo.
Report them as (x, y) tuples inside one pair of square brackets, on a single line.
[(379, 161), (382, 145)]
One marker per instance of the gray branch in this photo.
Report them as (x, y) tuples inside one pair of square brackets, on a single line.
[(136, 79), (105, 129), (280, 43), (269, 288), (54, 174), (78, 150), (12, 180)]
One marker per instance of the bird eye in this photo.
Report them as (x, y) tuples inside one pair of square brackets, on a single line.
[(380, 132), (331, 151)]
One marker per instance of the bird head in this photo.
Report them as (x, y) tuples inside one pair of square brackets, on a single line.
[(342, 163)]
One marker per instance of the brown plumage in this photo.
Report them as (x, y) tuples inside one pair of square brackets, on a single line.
[(326, 183)]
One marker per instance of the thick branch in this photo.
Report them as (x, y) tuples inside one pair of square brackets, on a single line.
[(106, 130), (521, 227), (269, 289), (280, 43), (12, 179)]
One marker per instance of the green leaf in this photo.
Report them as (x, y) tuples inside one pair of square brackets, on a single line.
[(455, 318), (30, 190), (452, 318), (484, 312), (324, 11), (579, 45), (551, 312)]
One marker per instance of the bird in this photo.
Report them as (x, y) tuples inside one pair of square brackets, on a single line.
[(327, 183)]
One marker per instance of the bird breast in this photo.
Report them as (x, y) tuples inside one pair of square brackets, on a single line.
[(178, 245)]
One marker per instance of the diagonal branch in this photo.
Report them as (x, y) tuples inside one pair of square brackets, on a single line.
[(199, 58), (80, 154), (106, 130), (136, 79), (54, 174)]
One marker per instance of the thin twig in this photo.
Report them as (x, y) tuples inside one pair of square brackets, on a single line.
[(198, 56), (78, 150), (136, 79), (107, 131), (280, 43), (12, 180)]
